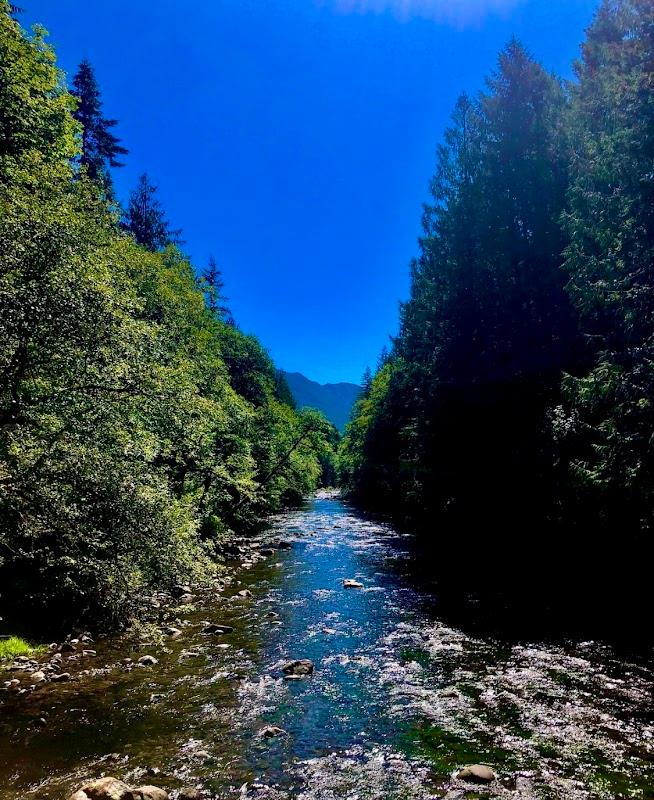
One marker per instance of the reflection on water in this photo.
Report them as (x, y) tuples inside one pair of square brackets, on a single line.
[(399, 699)]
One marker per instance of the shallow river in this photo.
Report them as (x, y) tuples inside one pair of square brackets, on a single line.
[(399, 698)]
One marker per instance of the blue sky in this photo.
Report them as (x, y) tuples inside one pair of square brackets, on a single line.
[(295, 139)]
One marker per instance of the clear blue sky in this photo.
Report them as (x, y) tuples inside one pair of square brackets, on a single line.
[(295, 139)]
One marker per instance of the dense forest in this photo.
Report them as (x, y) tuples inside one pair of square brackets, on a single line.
[(515, 409), (139, 427)]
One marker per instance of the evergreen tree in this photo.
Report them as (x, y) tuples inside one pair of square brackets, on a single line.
[(366, 380), (100, 147), (460, 410), (606, 425), (213, 287), (145, 218)]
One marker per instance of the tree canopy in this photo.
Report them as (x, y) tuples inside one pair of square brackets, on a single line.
[(137, 428)]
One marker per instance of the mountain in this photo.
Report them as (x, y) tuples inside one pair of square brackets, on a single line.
[(335, 400)]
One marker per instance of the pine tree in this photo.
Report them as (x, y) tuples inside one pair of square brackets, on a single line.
[(213, 287), (145, 219), (100, 147)]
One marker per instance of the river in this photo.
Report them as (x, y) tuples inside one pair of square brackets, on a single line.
[(399, 700)]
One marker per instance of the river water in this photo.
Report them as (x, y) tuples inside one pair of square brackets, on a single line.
[(399, 700)]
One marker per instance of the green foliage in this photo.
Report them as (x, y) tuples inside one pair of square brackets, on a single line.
[(137, 428), (605, 426), (14, 646)]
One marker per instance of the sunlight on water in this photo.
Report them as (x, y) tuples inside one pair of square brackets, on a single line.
[(399, 698)]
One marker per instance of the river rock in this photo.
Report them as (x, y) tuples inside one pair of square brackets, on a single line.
[(38, 677), (104, 789), (189, 654), (282, 544), (62, 678), (147, 661), (476, 773), (189, 793), (245, 593), (181, 589), (267, 551), (172, 632), (350, 583), (148, 793), (298, 667), (213, 628), (271, 731), (185, 599)]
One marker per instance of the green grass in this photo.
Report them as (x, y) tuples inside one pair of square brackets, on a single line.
[(14, 646)]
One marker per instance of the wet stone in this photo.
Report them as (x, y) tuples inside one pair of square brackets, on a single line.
[(271, 732), (299, 667)]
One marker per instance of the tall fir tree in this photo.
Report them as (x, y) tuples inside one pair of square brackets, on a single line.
[(100, 147), (213, 286), (146, 220), (488, 327)]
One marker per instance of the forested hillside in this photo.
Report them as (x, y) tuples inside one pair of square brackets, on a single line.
[(335, 400), (516, 407), (139, 427)]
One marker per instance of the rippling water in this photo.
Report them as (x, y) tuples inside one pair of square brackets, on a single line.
[(398, 701)]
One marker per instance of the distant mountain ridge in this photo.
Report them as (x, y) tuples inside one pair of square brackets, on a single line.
[(335, 400)]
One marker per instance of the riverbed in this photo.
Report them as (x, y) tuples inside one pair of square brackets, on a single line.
[(400, 699)]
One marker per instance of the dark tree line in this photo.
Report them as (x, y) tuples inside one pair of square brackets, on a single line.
[(517, 402)]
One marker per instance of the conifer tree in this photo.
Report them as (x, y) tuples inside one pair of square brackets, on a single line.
[(460, 410), (145, 218), (606, 431), (100, 147), (213, 287)]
